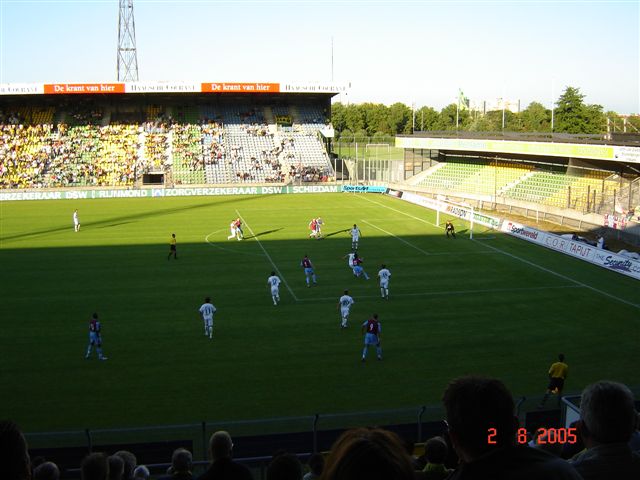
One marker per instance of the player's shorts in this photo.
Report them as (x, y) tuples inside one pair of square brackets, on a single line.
[(172, 248), (355, 239), (556, 383), (371, 339), (308, 271), (275, 291), (384, 283), (94, 338), (358, 270), (344, 312)]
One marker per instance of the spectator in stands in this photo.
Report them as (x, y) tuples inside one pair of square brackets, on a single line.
[(435, 451), (608, 418), (46, 471), (95, 466), (141, 472), (222, 466), (284, 466), (477, 407), (316, 466), (557, 375), (116, 467), (130, 462), (372, 454), (634, 442), (181, 465), (14, 453)]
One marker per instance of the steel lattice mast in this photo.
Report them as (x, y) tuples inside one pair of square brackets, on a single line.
[(127, 55)]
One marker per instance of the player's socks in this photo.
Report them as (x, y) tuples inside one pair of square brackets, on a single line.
[(379, 352), (88, 352), (366, 277)]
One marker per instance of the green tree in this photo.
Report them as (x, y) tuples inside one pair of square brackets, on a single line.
[(338, 117), (573, 116), (376, 118), (447, 118), (400, 118), (353, 117), (536, 118), (426, 119)]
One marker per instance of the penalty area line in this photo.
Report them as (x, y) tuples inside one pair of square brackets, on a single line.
[(275, 267)]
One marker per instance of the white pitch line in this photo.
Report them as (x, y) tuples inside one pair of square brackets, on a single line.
[(540, 267), (458, 292), (396, 237), (594, 289), (284, 280)]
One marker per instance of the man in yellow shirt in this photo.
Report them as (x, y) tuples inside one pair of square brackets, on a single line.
[(557, 375), (172, 247)]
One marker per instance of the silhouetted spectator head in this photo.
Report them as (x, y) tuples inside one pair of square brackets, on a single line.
[(284, 466), (14, 454), (607, 413), (435, 450), (116, 467), (374, 454), (474, 405), (181, 461), (141, 472), (130, 462), (95, 467), (46, 471), (316, 464), (220, 445)]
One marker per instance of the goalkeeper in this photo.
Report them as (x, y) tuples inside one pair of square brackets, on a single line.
[(449, 229)]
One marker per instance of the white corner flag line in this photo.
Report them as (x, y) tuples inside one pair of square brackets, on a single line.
[(275, 267)]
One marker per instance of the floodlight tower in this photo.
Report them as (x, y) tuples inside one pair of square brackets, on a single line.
[(127, 56)]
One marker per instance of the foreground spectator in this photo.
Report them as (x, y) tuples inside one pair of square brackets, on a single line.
[(477, 407), (95, 467), (371, 454), (46, 471), (608, 419), (14, 455), (141, 472), (181, 465), (130, 462), (116, 467), (284, 466), (222, 467), (435, 452)]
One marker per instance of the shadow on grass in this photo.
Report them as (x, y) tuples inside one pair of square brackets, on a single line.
[(267, 232)]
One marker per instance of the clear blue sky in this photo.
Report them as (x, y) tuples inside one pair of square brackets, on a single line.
[(407, 51)]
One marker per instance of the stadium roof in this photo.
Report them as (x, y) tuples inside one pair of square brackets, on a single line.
[(169, 87)]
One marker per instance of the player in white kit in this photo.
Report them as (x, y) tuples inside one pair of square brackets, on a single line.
[(344, 305), (384, 274), (355, 237), (76, 221), (207, 310), (274, 282), (232, 226)]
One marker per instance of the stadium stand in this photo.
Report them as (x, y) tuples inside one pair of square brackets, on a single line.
[(87, 144)]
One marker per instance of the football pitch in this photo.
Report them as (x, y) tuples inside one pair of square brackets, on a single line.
[(493, 305)]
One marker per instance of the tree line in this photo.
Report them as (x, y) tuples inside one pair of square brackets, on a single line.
[(570, 115)]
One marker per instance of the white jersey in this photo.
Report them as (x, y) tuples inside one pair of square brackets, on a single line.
[(384, 275), (345, 303), (274, 281), (355, 234), (350, 259), (207, 310), (75, 218)]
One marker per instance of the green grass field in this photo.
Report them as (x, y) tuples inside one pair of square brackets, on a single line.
[(498, 307)]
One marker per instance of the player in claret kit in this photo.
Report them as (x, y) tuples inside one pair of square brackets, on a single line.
[(371, 330), (274, 282), (344, 305), (313, 226), (308, 270), (384, 274), (358, 269), (95, 337), (239, 232)]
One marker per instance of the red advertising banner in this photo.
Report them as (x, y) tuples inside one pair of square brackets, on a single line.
[(223, 87), (83, 88)]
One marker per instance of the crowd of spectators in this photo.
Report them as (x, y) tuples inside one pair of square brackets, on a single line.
[(475, 406), (95, 150)]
